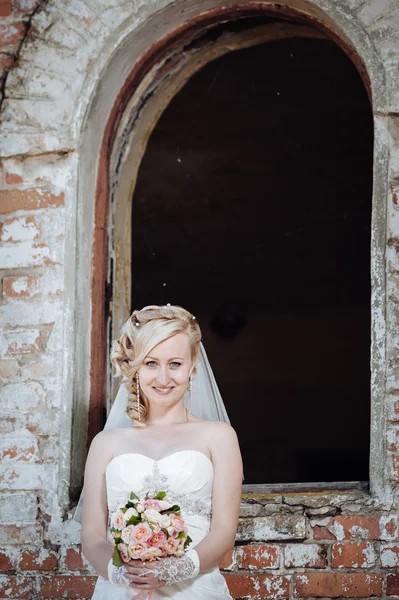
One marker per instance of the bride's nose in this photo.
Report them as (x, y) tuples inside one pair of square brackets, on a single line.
[(163, 376)]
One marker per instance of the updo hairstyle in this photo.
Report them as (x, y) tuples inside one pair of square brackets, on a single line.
[(145, 329)]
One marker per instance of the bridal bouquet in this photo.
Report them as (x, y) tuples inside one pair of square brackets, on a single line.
[(148, 528)]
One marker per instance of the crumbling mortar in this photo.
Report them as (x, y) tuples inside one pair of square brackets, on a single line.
[(27, 20)]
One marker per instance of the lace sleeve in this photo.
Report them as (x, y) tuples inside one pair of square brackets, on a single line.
[(172, 570)]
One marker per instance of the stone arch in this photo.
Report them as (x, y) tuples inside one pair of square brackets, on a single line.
[(76, 113)]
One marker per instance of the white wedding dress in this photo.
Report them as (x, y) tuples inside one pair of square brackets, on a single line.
[(187, 477)]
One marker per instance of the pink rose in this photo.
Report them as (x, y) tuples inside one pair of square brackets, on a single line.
[(181, 543), (141, 533), (118, 520), (127, 534), (172, 531), (157, 539), (151, 503), (137, 550), (177, 522), (171, 545), (123, 551)]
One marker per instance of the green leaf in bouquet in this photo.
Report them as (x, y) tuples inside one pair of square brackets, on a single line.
[(165, 531), (130, 505), (181, 535), (133, 496), (160, 496), (114, 530), (187, 542), (116, 558), (175, 509), (134, 520)]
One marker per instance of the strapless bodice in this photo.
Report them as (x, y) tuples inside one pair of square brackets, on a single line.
[(186, 476)]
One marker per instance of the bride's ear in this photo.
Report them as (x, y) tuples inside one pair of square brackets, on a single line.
[(193, 369)]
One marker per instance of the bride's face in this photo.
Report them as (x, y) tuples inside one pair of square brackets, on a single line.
[(165, 372)]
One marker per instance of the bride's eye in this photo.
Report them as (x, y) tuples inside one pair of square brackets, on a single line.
[(175, 364), (150, 363)]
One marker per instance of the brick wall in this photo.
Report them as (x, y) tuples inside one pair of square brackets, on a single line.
[(302, 547), (15, 17), (295, 545)]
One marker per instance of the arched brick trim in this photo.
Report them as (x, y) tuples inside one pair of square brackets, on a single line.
[(175, 38)]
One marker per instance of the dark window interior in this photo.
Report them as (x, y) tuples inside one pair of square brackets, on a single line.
[(252, 209)]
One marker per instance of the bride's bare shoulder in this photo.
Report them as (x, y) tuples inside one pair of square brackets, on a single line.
[(218, 429), (108, 437)]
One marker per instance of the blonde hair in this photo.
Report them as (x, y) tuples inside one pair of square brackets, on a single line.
[(145, 329)]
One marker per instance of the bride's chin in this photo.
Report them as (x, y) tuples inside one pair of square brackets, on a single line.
[(170, 399)]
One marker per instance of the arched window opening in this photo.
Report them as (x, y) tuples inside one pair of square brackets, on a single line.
[(252, 208)]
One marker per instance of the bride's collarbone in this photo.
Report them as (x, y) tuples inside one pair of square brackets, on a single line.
[(154, 446)]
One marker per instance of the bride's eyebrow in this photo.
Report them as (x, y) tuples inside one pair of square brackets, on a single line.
[(174, 358)]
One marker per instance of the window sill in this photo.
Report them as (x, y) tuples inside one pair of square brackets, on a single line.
[(322, 493)]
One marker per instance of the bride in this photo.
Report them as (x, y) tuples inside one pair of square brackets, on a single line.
[(163, 446)]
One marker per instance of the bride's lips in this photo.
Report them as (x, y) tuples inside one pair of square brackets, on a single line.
[(163, 391)]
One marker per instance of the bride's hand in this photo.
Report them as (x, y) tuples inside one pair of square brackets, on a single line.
[(141, 575)]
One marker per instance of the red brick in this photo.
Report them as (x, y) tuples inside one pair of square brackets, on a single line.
[(393, 584), (390, 556), (5, 8), (6, 60), (19, 453), (322, 533), (11, 33), (333, 585), (258, 557), (31, 561), (62, 586), (13, 178), (354, 527), (24, 7), (30, 199), (395, 467), (353, 555), (20, 287), (308, 556), (21, 341), (5, 562), (227, 560), (16, 535), (258, 586), (16, 587), (389, 529), (74, 560)]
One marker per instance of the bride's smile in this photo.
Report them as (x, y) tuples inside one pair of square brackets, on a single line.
[(165, 372)]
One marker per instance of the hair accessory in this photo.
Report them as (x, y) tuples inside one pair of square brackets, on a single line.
[(138, 393), (193, 318), (136, 321)]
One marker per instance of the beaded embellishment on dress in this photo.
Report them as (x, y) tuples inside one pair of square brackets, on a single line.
[(156, 482)]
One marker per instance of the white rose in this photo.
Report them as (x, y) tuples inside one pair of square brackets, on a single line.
[(165, 521), (152, 516), (140, 507), (165, 504)]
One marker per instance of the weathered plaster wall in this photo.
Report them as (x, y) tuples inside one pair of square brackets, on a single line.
[(71, 66), (15, 17)]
